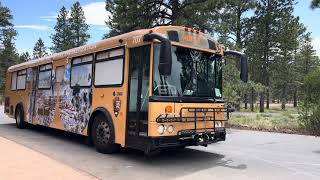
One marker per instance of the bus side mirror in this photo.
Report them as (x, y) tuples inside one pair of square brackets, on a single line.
[(244, 68), (165, 62), (243, 63)]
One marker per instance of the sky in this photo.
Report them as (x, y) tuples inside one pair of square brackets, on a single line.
[(34, 19)]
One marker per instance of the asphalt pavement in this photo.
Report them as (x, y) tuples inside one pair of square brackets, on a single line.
[(244, 155)]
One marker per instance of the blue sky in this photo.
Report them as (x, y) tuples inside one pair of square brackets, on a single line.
[(36, 18)]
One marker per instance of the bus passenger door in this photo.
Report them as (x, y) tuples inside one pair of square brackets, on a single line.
[(139, 73)]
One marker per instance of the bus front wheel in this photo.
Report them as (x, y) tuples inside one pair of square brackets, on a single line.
[(103, 135), (20, 123)]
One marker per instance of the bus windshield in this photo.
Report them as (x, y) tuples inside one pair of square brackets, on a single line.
[(194, 73)]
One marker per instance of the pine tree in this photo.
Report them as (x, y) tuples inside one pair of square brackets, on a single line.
[(131, 15), (315, 4), (25, 57), (282, 68), (78, 26), (8, 53), (61, 39), (234, 26), (39, 49), (263, 41)]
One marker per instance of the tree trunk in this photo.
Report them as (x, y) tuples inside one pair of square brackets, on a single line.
[(252, 100), (295, 97), (238, 27), (245, 101), (175, 11), (283, 98), (268, 97), (262, 102), (238, 105)]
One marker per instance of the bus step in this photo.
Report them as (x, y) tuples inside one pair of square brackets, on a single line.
[(144, 122), (142, 134)]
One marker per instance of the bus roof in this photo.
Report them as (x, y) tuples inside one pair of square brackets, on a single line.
[(129, 39)]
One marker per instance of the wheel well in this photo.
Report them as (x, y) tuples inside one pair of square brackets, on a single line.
[(98, 111)]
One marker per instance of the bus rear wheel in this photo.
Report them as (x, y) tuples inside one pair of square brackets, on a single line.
[(20, 123), (103, 135)]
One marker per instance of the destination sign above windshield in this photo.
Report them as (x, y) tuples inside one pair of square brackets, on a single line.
[(191, 39)]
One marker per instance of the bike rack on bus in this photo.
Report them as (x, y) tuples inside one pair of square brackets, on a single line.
[(196, 118)]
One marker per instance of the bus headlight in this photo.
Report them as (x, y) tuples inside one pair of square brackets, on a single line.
[(218, 124), (161, 129), (170, 129)]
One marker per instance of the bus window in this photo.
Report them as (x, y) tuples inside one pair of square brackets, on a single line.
[(21, 80), (14, 81), (81, 71), (109, 71), (44, 79)]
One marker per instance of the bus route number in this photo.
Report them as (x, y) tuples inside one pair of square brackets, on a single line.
[(137, 39)]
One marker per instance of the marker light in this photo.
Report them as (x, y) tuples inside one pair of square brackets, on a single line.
[(168, 109), (218, 124), (161, 129), (170, 129)]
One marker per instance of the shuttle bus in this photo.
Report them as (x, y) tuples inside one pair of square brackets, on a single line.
[(147, 89)]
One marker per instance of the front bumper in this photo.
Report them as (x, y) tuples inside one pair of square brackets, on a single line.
[(192, 139)]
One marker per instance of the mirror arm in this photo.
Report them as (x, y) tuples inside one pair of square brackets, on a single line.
[(149, 37)]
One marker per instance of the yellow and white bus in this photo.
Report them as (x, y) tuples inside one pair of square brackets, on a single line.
[(147, 89)]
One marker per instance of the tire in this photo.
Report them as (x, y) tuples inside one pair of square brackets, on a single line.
[(102, 134), (20, 123)]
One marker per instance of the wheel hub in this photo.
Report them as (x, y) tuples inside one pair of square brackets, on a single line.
[(103, 133), (18, 117)]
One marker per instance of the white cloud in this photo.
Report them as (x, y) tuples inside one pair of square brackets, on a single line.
[(33, 27), (52, 18), (316, 45), (96, 13)]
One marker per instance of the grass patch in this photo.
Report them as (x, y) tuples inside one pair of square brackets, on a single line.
[(273, 120)]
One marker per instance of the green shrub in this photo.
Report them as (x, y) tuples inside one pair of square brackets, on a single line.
[(310, 106)]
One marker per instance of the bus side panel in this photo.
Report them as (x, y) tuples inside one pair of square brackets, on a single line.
[(15, 97), (59, 86), (8, 97), (107, 98), (72, 106)]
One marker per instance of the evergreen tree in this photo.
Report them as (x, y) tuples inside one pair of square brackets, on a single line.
[(78, 26), (39, 49), (315, 4), (131, 15), (61, 39), (263, 42), (25, 57), (282, 68), (8, 54), (234, 26)]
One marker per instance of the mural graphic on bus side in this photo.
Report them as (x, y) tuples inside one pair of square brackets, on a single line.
[(74, 104)]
